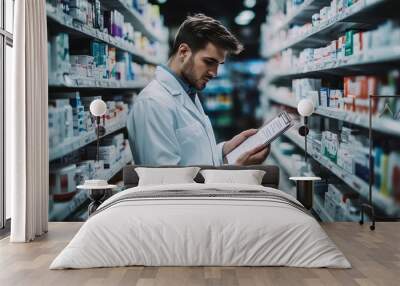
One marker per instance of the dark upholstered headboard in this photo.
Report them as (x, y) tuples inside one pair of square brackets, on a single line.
[(270, 179)]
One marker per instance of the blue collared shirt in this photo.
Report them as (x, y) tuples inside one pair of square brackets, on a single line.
[(190, 90)]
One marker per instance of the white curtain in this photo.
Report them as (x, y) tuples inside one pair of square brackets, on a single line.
[(26, 124)]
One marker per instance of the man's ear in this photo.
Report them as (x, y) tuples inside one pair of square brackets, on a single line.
[(184, 51)]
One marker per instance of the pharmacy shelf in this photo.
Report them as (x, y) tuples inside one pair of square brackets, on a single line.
[(383, 125), (69, 24), (332, 28), (284, 162), (67, 81), (384, 203), (62, 210), (110, 173), (302, 14), (318, 205), (319, 208), (61, 22), (350, 65), (284, 100), (136, 19), (278, 158), (78, 142)]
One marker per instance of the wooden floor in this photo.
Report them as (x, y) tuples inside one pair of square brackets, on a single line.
[(375, 257)]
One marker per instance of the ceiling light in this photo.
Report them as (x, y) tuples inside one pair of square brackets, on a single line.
[(244, 17), (161, 1), (249, 3)]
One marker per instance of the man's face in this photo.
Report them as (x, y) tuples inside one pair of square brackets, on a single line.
[(200, 67)]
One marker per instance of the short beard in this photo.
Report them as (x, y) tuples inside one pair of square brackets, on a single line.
[(188, 72)]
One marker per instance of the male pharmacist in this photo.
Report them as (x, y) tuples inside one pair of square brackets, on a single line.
[(167, 124)]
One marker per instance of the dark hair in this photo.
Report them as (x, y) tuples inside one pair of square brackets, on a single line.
[(198, 30)]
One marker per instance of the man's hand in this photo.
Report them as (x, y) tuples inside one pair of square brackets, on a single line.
[(237, 140), (252, 157)]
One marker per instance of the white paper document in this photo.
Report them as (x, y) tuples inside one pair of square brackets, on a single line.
[(264, 136)]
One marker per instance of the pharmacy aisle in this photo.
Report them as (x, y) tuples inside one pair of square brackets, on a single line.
[(97, 50), (346, 60)]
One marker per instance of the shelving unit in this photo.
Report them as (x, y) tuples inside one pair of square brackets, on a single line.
[(348, 66), (70, 82), (360, 186), (301, 14), (91, 85), (62, 210), (320, 210), (326, 32), (78, 142), (65, 22), (285, 163), (287, 167), (318, 206), (384, 125), (363, 15), (136, 19)]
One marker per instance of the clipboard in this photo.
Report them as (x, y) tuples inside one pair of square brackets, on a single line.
[(264, 136)]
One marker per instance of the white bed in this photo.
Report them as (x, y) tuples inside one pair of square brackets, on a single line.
[(207, 230)]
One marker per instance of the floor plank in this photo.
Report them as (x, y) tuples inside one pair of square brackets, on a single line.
[(375, 257)]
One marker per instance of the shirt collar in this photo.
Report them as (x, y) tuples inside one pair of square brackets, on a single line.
[(190, 90)]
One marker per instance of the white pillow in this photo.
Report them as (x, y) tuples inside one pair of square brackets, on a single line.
[(248, 177), (165, 176)]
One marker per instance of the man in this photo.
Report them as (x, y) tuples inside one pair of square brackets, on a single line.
[(167, 124)]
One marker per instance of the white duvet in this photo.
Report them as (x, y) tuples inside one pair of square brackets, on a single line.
[(200, 231)]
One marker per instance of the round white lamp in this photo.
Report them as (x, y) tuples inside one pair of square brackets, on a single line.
[(98, 108), (305, 185), (98, 189), (305, 107)]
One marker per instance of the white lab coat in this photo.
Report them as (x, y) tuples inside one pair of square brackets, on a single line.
[(165, 127)]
